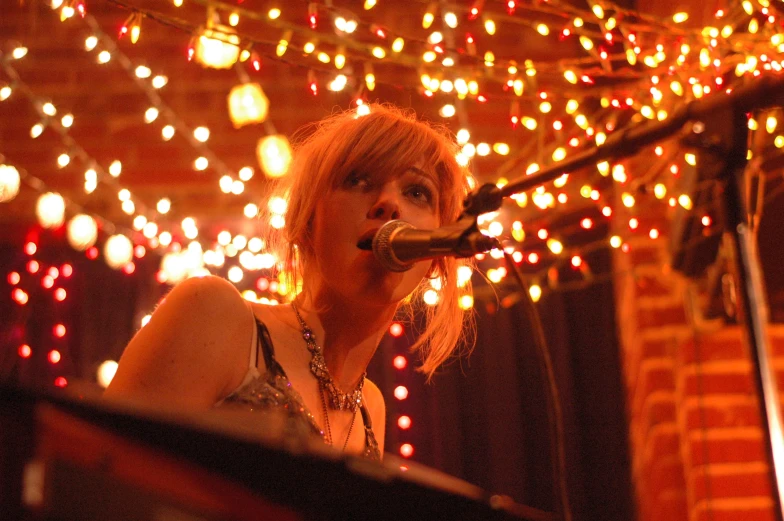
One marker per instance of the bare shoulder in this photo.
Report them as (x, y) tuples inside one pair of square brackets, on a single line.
[(192, 348), (377, 408)]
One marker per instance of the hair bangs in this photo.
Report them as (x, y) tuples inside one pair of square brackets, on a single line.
[(381, 146)]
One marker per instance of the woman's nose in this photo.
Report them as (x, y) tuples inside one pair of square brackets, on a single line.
[(386, 207)]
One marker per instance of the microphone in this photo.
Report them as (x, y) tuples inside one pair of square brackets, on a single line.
[(398, 245)]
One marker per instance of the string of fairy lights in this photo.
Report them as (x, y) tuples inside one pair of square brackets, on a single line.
[(544, 198), (627, 67)]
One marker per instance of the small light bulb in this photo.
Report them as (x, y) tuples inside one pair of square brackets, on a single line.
[(201, 134), (159, 81), (201, 164)]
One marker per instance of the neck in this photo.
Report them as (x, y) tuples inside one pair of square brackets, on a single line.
[(348, 334)]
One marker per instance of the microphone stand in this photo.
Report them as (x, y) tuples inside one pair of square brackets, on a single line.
[(719, 132)]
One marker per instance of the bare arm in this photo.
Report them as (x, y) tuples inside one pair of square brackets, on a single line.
[(193, 350)]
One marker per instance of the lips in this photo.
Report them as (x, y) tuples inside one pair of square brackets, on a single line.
[(365, 241)]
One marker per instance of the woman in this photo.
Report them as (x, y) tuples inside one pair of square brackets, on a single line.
[(309, 356)]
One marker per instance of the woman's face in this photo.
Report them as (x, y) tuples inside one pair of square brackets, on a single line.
[(362, 203)]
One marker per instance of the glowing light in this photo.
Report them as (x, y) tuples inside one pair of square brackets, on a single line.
[(50, 210), (400, 362), (217, 47), (274, 155), (430, 297), (59, 330), (406, 450), (24, 351), (118, 251), (401, 392), (201, 134), (9, 183), (151, 114), (404, 422), (501, 149), (555, 246), (201, 164), (586, 42), (396, 329), (54, 356), (535, 291), (235, 274), (82, 232)]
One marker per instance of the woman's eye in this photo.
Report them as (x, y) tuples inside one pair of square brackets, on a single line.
[(357, 180), (421, 193)]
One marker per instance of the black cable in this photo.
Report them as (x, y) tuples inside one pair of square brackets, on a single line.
[(554, 412)]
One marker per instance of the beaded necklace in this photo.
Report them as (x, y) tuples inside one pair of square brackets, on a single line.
[(337, 399)]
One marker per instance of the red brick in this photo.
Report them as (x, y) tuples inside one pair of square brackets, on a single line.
[(741, 445), (670, 506), (721, 411), (731, 480), (655, 375), (715, 347), (662, 441), (659, 409), (653, 286), (665, 473), (660, 317), (745, 509), (717, 378), (655, 348), (646, 254)]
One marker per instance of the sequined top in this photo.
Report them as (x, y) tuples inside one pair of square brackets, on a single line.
[(273, 390)]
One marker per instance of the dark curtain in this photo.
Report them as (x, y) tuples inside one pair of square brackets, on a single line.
[(102, 310), (484, 418)]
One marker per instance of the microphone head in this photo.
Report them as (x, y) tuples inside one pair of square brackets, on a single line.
[(382, 246)]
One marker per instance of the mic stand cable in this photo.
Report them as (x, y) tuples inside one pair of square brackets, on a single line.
[(554, 411)]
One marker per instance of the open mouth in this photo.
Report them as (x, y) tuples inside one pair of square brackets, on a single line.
[(366, 240)]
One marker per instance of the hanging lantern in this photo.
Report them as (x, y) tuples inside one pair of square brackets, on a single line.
[(9, 183), (118, 251), (247, 104), (82, 232), (50, 210), (217, 47), (274, 155)]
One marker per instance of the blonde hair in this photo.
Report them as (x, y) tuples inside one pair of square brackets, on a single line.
[(385, 140)]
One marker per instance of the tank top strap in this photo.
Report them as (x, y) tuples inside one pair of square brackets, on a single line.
[(267, 349), (365, 415)]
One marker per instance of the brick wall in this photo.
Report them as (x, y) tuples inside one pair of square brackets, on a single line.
[(694, 427)]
